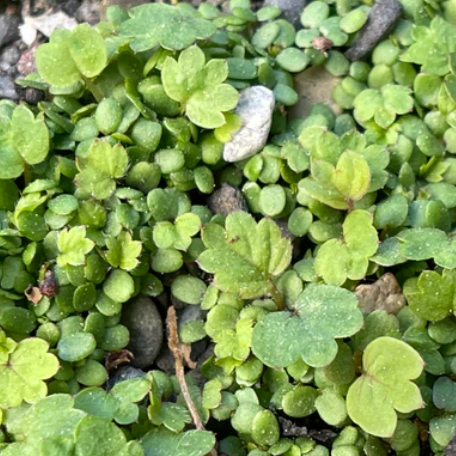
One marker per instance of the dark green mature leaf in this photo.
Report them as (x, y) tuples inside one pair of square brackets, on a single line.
[(246, 256), (161, 442), (162, 24), (324, 313)]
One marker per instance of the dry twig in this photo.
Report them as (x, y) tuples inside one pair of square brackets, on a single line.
[(178, 354)]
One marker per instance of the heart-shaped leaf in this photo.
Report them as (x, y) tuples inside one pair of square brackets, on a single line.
[(385, 387)]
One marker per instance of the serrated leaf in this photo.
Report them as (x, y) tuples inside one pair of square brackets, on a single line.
[(199, 87), (18, 381), (385, 387), (165, 25), (123, 252), (324, 313), (73, 246), (431, 296), (251, 255)]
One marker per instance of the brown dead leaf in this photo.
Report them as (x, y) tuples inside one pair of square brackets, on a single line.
[(33, 294), (116, 358)]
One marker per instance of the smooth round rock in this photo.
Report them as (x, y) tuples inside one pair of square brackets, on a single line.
[(145, 324), (255, 108)]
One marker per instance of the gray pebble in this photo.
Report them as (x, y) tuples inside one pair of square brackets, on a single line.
[(255, 108), (142, 319), (9, 28), (8, 89), (450, 450), (9, 56), (32, 96), (89, 12), (382, 18), (165, 361), (226, 200), (291, 9), (123, 373)]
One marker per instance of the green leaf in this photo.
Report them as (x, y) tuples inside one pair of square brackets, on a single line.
[(248, 257), (30, 136), (419, 244), (389, 365), (199, 86), (325, 313), (123, 252), (88, 50), (76, 346), (19, 382), (165, 25), (73, 246), (431, 296), (352, 176), (160, 442), (54, 55), (97, 436), (119, 286), (359, 243)]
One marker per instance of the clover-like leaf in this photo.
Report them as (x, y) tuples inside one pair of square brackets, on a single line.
[(102, 166), (246, 256), (161, 442), (30, 136), (324, 313), (23, 370), (49, 419), (123, 252), (352, 177), (178, 235), (73, 246), (199, 87), (431, 296), (359, 243), (171, 28), (385, 387)]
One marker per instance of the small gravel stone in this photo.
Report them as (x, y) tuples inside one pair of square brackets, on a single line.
[(89, 12), (142, 319), (291, 9), (450, 450), (71, 6), (255, 108), (9, 56), (9, 28), (8, 89), (226, 200), (33, 96), (382, 18), (123, 373)]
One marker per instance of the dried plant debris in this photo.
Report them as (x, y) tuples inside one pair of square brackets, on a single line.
[(305, 264)]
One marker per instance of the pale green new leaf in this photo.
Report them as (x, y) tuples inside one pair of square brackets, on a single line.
[(73, 246), (249, 256), (385, 387), (123, 252), (353, 176), (199, 87), (23, 371)]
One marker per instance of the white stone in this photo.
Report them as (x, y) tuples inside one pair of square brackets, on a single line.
[(255, 108)]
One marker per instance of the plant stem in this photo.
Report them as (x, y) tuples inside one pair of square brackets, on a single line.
[(276, 296), (27, 174), (174, 345)]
